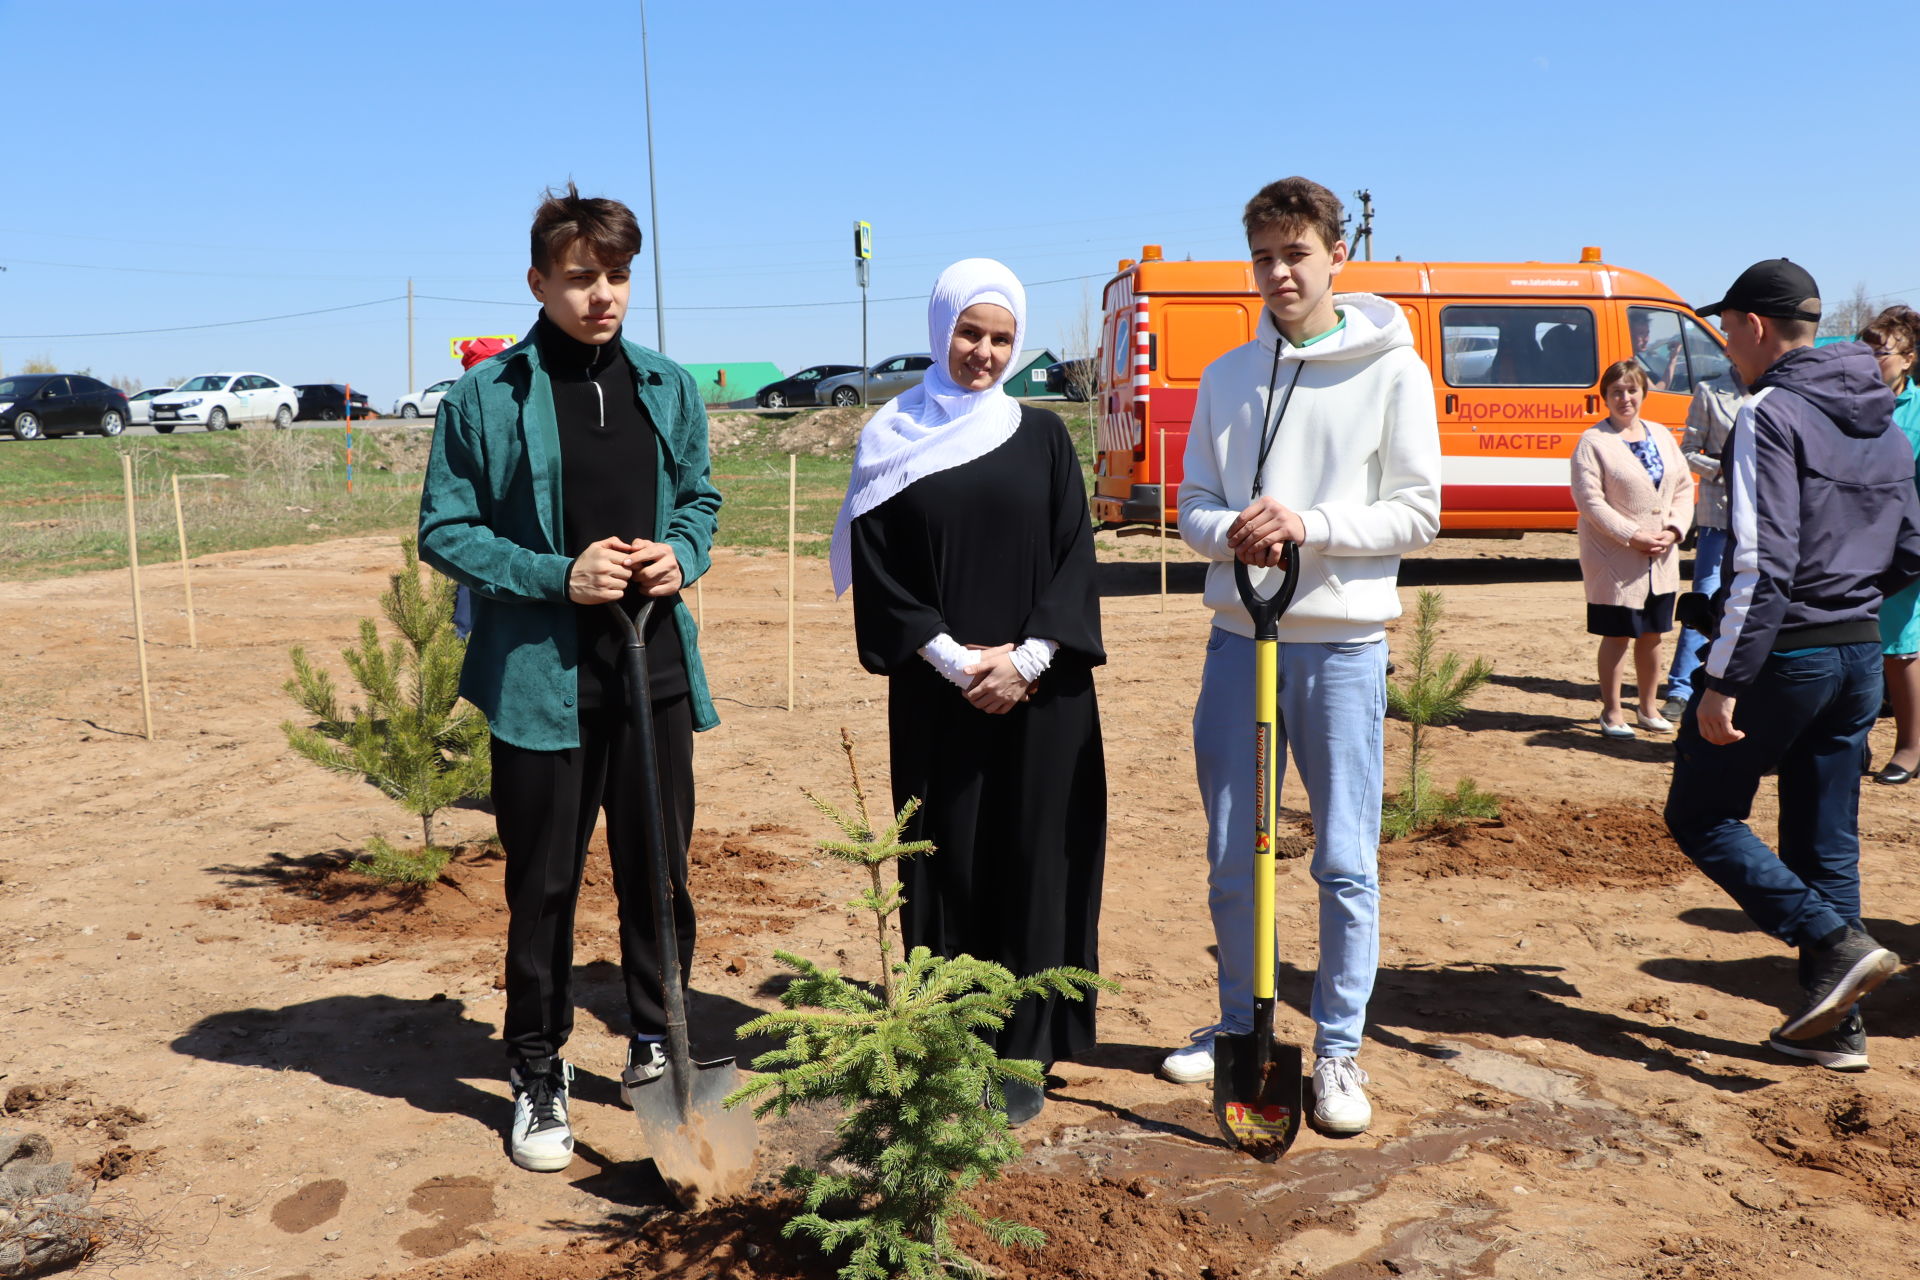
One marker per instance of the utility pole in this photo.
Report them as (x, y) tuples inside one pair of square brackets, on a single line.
[(1364, 234), (862, 255), (653, 191), (412, 386)]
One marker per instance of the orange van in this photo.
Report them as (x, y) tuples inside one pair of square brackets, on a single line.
[(1516, 351)]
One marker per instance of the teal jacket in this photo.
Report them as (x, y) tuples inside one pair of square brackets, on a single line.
[(490, 517)]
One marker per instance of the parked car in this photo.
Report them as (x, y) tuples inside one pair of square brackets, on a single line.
[(34, 406), (141, 405), (884, 381), (327, 402), (423, 404), (1073, 379), (799, 388), (225, 401)]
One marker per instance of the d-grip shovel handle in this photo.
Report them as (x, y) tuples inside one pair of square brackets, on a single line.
[(1266, 613)]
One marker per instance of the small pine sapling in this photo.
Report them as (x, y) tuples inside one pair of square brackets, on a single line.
[(1434, 693), (411, 738), (922, 1091)]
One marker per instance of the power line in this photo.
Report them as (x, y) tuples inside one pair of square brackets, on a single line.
[(760, 306), (182, 328)]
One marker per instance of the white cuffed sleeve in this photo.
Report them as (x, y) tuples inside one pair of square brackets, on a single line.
[(1032, 657), (949, 657)]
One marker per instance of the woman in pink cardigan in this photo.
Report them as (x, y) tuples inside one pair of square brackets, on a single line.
[(1635, 498)]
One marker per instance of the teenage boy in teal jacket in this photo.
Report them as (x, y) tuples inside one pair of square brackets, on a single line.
[(569, 472)]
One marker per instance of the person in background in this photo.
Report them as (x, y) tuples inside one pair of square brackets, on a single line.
[(966, 539), (1631, 488), (1826, 523), (472, 352), (1709, 418), (1894, 339)]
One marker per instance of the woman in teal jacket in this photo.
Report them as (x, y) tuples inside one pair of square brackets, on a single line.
[(1894, 337)]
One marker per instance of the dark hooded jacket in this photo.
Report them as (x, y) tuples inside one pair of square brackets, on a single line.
[(1824, 518)]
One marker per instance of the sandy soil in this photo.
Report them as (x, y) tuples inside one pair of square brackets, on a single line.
[(280, 1071)]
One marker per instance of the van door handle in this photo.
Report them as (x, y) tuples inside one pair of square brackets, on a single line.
[(1453, 402), (1593, 404)]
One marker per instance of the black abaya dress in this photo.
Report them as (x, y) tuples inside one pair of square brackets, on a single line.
[(992, 552)]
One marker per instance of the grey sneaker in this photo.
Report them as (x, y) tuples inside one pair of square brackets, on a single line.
[(1839, 974), (1674, 709), (1842, 1049), (646, 1060)]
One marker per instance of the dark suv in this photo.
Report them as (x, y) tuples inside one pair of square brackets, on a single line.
[(327, 402), (34, 406)]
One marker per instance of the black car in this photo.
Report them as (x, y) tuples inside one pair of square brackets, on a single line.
[(327, 402), (798, 389), (34, 406), (1073, 379)]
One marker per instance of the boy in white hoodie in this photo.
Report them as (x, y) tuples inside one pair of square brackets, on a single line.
[(1319, 433)]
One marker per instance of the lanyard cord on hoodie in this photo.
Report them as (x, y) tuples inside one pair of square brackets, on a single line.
[(1271, 432)]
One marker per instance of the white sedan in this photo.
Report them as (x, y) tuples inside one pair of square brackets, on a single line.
[(141, 408), (226, 400), (422, 404)]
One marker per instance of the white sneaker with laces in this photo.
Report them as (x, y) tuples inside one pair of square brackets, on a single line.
[(541, 1139), (1340, 1105), (1192, 1063)]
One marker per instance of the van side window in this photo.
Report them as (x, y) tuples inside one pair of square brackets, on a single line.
[(1658, 346), (1704, 357), (1518, 346)]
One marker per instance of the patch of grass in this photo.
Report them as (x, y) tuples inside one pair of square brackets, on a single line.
[(62, 509)]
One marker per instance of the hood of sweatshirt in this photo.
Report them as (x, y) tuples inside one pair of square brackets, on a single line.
[(1842, 380), (1373, 325)]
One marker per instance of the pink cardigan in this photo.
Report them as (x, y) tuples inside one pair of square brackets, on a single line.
[(1616, 499)]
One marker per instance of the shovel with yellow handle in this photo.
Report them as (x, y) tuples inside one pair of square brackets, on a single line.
[(1257, 1094)]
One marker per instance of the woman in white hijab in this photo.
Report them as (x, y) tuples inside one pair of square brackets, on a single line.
[(966, 539)]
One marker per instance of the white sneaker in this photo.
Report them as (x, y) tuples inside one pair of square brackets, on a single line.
[(1192, 1064), (1340, 1104), (542, 1140)]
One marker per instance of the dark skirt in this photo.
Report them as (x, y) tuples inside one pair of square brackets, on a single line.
[(1654, 618)]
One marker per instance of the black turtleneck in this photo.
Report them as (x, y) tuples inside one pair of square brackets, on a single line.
[(608, 461)]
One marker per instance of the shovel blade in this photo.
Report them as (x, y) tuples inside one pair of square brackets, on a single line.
[(704, 1152), (1257, 1093)]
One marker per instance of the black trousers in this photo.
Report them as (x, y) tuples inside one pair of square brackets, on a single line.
[(546, 804)]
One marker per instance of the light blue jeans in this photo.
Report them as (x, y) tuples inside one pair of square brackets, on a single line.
[(1333, 706), (1690, 651)]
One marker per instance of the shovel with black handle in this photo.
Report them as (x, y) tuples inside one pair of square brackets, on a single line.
[(1256, 1080), (703, 1151)]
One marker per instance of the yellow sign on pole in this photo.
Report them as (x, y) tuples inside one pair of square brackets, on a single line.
[(863, 240), (455, 345)]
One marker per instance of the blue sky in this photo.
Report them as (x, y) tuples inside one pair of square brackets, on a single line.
[(194, 163)]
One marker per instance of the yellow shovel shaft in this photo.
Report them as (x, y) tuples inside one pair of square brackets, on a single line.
[(1266, 658)]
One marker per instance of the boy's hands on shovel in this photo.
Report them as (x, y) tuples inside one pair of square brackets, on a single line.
[(1258, 533), (602, 572)]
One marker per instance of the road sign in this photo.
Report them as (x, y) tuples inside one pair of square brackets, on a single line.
[(457, 346), (863, 240)]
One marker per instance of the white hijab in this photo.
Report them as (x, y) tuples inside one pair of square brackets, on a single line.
[(938, 424)]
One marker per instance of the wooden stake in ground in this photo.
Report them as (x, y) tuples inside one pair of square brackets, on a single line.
[(139, 623), (186, 578), (793, 490), (1163, 519)]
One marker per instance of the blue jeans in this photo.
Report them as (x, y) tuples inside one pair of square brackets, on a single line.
[(1807, 716), (1332, 709), (1690, 651)]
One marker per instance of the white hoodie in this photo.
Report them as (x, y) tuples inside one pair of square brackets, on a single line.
[(1357, 454)]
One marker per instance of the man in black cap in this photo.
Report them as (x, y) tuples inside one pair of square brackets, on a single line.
[(1824, 524)]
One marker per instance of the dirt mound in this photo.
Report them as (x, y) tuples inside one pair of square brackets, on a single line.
[(816, 433), (1865, 1140), (1562, 845), (326, 890), (66, 1102), (1104, 1229)]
